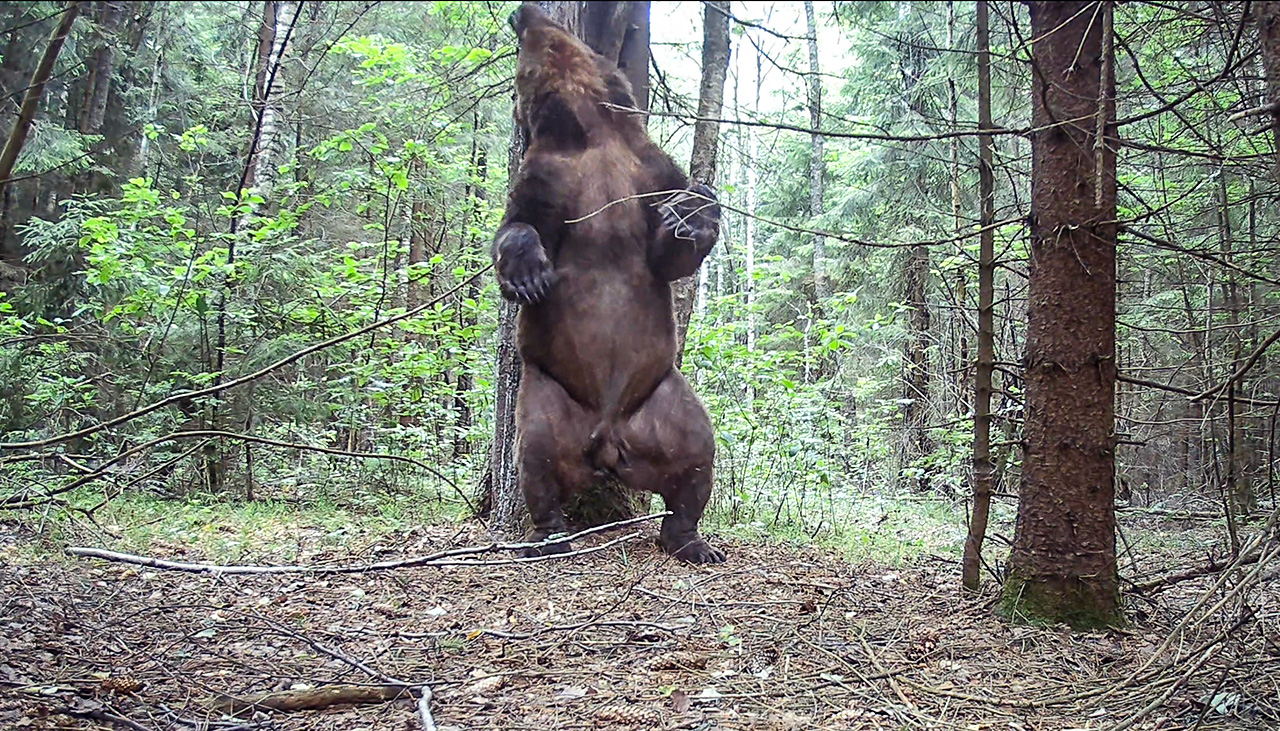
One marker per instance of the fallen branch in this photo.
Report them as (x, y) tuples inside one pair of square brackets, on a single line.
[(443, 558), (424, 709), (311, 699), (1208, 569)]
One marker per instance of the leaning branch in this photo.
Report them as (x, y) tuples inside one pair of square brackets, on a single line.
[(1241, 371), (1207, 569), (219, 388), (31, 100), (22, 501), (871, 136), (1263, 110), (442, 558)]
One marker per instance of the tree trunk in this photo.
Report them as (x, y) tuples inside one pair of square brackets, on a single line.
[(817, 163), (915, 371), (1241, 499), (263, 139), (598, 25), (706, 136), (1063, 564), (142, 161), (983, 467), (750, 227), (633, 57), (101, 68), (422, 223), (959, 321), (262, 142), (267, 144), (31, 99), (467, 316), (1269, 36)]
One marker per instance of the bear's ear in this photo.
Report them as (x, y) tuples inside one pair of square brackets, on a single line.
[(618, 91), (554, 120), (526, 16)]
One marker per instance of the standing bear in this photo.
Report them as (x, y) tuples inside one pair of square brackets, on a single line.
[(599, 222)]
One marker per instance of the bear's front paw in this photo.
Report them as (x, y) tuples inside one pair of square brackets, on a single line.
[(524, 271), (692, 214), (695, 550), (548, 549)]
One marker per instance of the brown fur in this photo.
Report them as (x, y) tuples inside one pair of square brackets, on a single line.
[(600, 393)]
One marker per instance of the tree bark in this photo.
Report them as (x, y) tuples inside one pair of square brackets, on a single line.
[(750, 227), (706, 136), (467, 316), (31, 100), (915, 371), (263, 140), (1063, 564), (101, 68), (142, 161), (597, 25), (817, 163), (983, 467), (633, 57), (1240, 497), (267, 148), (1269, 37)]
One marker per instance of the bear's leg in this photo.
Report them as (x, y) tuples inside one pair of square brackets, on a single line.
[(671, 450), (552, 433)]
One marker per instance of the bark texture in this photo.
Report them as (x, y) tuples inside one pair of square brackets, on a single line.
[(31, 99), (1063, 564), (269, 138), (817, 160), (1269, 36), (619, 31), (101, 68), (915, 369), (983, 467), (706, 137)]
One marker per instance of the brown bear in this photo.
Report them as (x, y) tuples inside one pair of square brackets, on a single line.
[(599, 222)]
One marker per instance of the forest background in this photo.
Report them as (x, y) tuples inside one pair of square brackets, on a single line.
[(227, 197)]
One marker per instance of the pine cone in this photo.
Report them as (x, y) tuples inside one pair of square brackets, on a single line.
[(122, 684), (925, 643), (629, 715), (487, 685)]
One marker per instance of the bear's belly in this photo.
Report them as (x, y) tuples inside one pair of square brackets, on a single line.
[(607, 337)]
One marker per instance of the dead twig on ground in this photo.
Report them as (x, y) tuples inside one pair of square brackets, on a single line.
[(1208, 569), (311, 699), (442, 558), (424, 709)]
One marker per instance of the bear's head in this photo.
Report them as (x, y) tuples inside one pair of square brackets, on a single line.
[(564, 90)]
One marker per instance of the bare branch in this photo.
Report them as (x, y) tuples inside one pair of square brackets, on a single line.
[(219, 388), (442, 558)]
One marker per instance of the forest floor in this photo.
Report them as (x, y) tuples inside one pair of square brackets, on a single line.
[(781, 637)]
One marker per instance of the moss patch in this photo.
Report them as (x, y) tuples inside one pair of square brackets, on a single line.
[(1041, 601)]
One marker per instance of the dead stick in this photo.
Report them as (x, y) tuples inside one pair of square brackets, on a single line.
[(436, 559), (1212, 567), (312, 699), (424, 709)]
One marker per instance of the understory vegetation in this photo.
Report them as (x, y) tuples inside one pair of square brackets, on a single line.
[(210, 190)]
